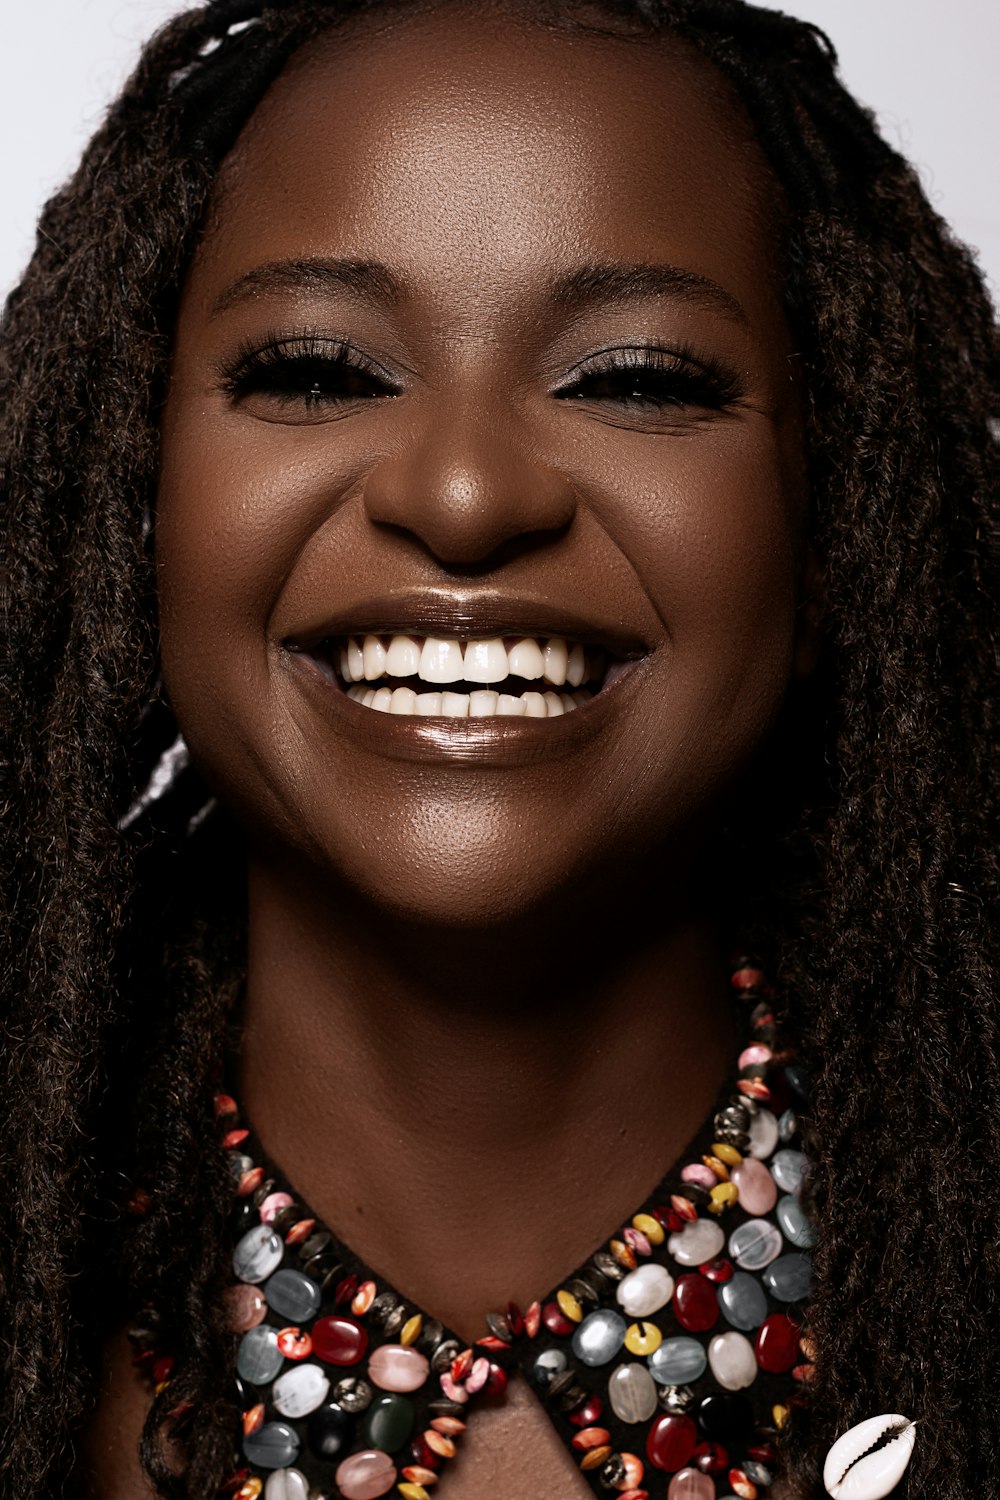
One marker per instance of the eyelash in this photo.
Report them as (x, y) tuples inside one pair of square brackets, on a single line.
[(318, 372)]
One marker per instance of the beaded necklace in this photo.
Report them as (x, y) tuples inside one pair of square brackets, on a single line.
[(668, 1361)]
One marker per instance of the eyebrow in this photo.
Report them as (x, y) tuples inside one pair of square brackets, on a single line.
[(582, 287)]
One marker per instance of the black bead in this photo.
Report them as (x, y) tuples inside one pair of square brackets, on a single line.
[(442, 1407), (444, 1354), (499, 1327), (726, 1418), (608, 1266), (582, 1290), (430, 1334), (695, 1193), (612, 1473), (559, 1384), (329, 1430)]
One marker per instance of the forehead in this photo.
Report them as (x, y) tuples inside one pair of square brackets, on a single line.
[(478, 148)]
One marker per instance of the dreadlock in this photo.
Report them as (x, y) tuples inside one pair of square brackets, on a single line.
[(121, 961)]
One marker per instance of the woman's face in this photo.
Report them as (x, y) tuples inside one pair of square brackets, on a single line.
[(483, 343)]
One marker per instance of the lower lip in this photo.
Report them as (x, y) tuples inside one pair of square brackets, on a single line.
[(507, 739)]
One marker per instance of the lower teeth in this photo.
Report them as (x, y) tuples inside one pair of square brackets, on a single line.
[(479, 705)]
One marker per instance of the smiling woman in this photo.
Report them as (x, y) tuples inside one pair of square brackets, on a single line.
[(537, 457)]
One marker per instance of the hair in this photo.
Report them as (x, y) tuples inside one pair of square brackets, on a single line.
[(121, 963)]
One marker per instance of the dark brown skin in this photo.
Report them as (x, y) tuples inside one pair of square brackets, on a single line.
[(486, 1004)]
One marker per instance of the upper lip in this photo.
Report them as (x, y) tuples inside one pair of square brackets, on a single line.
[(468, 615)]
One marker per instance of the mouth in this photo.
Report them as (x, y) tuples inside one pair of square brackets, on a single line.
[(466, 677)]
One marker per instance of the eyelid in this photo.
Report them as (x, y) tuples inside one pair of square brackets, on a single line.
[(650, 353), (306, 343)]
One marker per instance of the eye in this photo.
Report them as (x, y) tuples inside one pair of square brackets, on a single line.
[(304, 378), (647, 379)]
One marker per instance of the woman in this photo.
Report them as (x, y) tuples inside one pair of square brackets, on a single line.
[(491, 355)]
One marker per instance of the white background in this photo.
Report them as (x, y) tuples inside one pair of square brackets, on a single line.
[(929, 68)]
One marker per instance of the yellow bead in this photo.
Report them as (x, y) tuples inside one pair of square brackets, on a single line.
[(727, 1153), (623, 1254), (650, 1227), (780, 1415), (723, 1196), (411, 1330), (414, 1491), (569, 1306), (718, 1167), (643, 1338), (250, 1490)]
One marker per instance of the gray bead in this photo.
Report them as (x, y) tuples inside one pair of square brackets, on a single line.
[(300, 1390), (384, 1304), (286, 1484), (789, 1278), (293, 1295), (353, 1394), (632, 1393), (755, 1244), (788, 1168), (757, 1472), (238, 1164), (394, 1322), (273, 1446), (677, 1399), (788, 1126), (678, 1361), (608, 1266), (743, 1302), (257, 1254), (795, 1223), (613, 1472), (599, 1337), (258, 1358), (444, 1354), (548, 1365)]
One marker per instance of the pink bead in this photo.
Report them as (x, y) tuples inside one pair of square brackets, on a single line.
[(696, 1172), (246, 1307), (691, 1484), (755, 1054), (478, 1376), (395, 1368), (272, 1206), (366, 1475), (756, 1187), (637, 1241), (453, 1390)]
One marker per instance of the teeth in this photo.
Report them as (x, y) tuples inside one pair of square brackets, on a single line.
[(484, 703), (443, 660), (535, 706), (576, 665), (510, 705), (382, 700), (403, 657), (455, 705), (525, 660), (440, 661), (554, 704), (404, 701), (428, 704), (555, 657), (373, 656), (355, 662), (485, 661)]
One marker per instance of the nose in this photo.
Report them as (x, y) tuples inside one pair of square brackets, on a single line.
[(470, 489)]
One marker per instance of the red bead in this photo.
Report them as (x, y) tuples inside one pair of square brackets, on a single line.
[(491, 1344), (339, 1341), (590, 1437), (461, 1365), (684, 1207), (533, 1319), (671, 1442), (718, 1270), (747, 979), (696, 1305), (711, 1458), (515, 1317), (163, 1368), (588, 1413), (763, 1453), (224, 1105), (496, 1381), (249, 1182), (233, 1138), (345, 1290), (556, 1320), (422, 1453), (294, 1344), (777, 1346)]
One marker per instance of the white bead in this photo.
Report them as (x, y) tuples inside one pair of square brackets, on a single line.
[(732, 1361), (632, 1393), (286, 1484), (848, 1475), (763, 1134), (300, 1390), (645, 1291), (698, 1241)]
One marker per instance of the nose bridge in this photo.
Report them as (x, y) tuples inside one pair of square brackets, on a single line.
[(468, 478)]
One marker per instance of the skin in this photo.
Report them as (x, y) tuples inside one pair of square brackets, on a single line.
[(475, 952)]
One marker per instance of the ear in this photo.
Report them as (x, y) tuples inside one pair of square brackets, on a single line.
[(809, 616)]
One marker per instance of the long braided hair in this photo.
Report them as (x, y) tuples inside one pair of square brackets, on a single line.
[(122, 946)]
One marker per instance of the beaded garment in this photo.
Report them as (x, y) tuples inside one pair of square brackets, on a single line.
[(668, 1362)]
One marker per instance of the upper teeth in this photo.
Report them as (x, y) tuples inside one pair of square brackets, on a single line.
[(443, 659)]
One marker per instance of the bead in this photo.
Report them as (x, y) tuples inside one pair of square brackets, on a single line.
[(453, 1390), (645, 1290), (250, 1490), (413, 1491), (569, 1306), (779, 1416), (258, 1358), (257, 1254), (727, 1153), (478, 1376), (339, 1340), (732, 1361), (696, 1242), (742, 1485), (788, 1126), (755, 1244), (590, 1437), (671, 1442), (634, 1470), (866, 1463), (294, 1344), (548, 1365), (286, 1484), (249, 1182), (273, 1446), (533, 1319), (711, 1458), (395, 1368), (763, 1134), (726, 1417), (388, 1423), (719, 1271), (718, 1168), (596, 1458), (724, 1195), (677, 1398), (300, 1390), (411, 1330), (623, 1254), (330, 1430), (450, 1426), (273, 1204), (246, 1307), (353, 1394), (643, 1339), (293, 1294), (632, 1393), (417, 1474), (798, 1081), (696, 1306), (788, 1169), (556, 1320), (439, 1444), (300, 1231), (650, 1227), (678, 1361), (777, 1345), (608, 1266), (599, 1337), (363, 1298), (743, 1302), (589, 1413), (683, 1207), (795, 1223), (698, 1173), (365, 1476), (789, 1278), (755, 1055), (756, 1186), (691, 1484)]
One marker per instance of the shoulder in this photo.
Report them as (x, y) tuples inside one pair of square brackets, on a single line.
[(108, 1465)]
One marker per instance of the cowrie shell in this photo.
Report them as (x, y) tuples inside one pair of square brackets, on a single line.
[(861, 1467)]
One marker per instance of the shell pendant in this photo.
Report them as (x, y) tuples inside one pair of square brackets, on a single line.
[(869, 1460)]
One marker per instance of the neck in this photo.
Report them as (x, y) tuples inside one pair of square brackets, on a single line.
[(474, 1111)]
